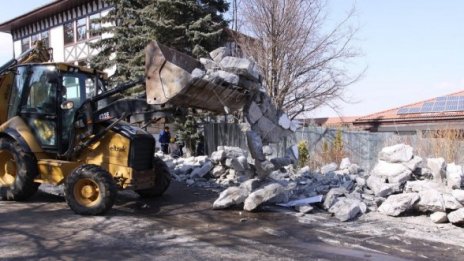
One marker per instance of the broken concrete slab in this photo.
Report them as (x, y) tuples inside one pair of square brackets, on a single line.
[(250, 185), (284, 121), (218, 171), (255, 145), (458, 194), (202, 171), (387, 169), (302, 201), (398, 153), (431, 200), (345, 163), (456, 217), (239, 164), (241, 66), (422, 185), (198, 73), (439, 217), (332, 195), (272, 193), (224, 76), (304, 209), (209, 64), (329, 168), (395, 205), (414, 163), (345, 209), (218, 156), (220, 53), (438, 168), (230, 197), (264, 168), (454, 176), (451, 203), (254, 113)]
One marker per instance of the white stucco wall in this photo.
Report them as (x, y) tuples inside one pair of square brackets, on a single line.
[(57, 43), (17, 48)]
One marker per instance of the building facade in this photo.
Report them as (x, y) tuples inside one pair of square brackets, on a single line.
[(63, 25)]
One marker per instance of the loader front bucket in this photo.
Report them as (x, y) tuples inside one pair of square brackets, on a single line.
[(169, 80)]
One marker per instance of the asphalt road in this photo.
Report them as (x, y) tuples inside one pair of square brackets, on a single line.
[(182, 226)]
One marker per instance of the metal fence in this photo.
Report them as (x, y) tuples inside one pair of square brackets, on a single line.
[(360, 146)]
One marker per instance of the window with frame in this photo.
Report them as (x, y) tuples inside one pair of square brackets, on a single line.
[(95, 26), (25, 44), (45, 37), (35, 38), (68, 33), (81, 29)]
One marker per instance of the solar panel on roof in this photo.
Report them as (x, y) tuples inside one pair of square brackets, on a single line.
[(414, 110), (452, 103), (426, 109), (461, 106), (440, 103), (451, 107), (453, 98), (403, 111), (438, 108), (442, 98), (461, 98)]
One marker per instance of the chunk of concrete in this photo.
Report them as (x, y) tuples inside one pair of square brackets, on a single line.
[(241, 66), (220, 53), (454, 176), (387, 169), (250, 185), (218, 156), (437, 166), (226, 77), (284, 121), (431, 200), (198, 73), (346, 209), (255, 145), (345, 163), (329, 168), (268, 150), (422, 185), (209, 64), (395, 205), (218, 171), (380, 188), (264, 168), (239, 164), (229, 197), (396, 154), (202, 171), (282, 162), (439, 217), (451, 203), (456, 217), (254, 113), (272, 193), (414, 163), (458, 194), (332, 195)]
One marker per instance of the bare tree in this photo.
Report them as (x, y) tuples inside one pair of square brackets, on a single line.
[(303, 63)]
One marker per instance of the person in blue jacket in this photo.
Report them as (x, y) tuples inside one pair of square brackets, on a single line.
[(164, 139)]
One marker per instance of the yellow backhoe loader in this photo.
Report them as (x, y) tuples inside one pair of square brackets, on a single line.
[(60, 125)]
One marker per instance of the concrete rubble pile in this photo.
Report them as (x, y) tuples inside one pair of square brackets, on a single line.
[(266, 124)]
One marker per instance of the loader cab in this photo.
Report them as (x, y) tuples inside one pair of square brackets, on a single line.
[(47, 96)]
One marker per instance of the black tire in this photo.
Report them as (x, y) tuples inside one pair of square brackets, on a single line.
[(99, 185), (162, 180), (23, 166)]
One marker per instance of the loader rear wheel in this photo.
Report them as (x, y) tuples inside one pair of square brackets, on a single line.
[(18, 169), (162, 180), (90, 190)]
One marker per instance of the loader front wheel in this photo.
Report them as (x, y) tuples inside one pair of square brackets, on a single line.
[(162, 180), (90, 190), (18, 170)]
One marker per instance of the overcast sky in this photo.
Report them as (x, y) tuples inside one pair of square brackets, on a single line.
[(413, 50)]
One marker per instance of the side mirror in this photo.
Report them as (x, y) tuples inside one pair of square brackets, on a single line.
[(67, 105)]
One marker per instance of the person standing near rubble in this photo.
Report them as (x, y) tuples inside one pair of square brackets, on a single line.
[(164, 139)]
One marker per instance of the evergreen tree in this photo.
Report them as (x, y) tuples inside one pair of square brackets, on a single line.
[(191, 26)]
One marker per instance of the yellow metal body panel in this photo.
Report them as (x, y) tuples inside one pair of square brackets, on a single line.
[(18, 124), (6, 81), (55, 171)]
